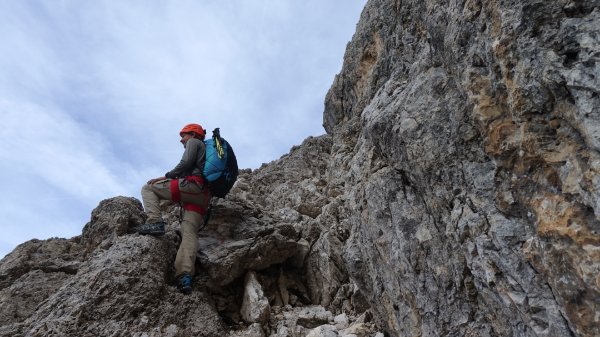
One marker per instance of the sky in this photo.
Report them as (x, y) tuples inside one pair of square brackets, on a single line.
[(93, 94)]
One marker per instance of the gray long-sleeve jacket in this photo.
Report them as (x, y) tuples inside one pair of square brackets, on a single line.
[(192, 161)]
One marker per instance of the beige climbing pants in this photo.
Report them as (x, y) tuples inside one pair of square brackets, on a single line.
[(195, 198)]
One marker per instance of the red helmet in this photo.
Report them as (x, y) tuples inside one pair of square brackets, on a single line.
[(195, 128)]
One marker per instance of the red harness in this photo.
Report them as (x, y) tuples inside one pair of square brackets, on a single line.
[(176, 194)]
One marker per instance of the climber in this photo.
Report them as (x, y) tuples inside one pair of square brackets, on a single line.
[(183, 184)]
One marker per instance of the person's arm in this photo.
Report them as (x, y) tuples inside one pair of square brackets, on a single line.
[(187, 160), (152, 181)]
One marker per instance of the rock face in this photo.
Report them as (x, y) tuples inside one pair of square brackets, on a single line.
[(468, 135), (111, 285), (456, 193)]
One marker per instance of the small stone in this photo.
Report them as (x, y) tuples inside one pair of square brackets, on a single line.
[(341, 321), (326, 330)]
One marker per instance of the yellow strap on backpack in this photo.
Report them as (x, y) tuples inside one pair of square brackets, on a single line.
[(220, 151)]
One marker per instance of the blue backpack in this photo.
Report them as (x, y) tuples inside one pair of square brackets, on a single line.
[(220, 167)]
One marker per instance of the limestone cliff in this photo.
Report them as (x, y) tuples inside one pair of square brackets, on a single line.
[(456, 193), (468, 132)]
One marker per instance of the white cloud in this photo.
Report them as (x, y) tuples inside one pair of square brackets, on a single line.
[(50, 145)]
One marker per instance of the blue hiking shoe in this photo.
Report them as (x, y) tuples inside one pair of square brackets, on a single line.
[(184, 283), (155, 229)]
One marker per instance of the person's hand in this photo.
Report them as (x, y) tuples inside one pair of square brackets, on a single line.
[(152, 181)]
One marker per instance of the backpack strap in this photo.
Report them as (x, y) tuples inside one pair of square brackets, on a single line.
[(217, 138)]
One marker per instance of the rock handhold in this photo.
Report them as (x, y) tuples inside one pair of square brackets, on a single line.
[(111, 219)]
